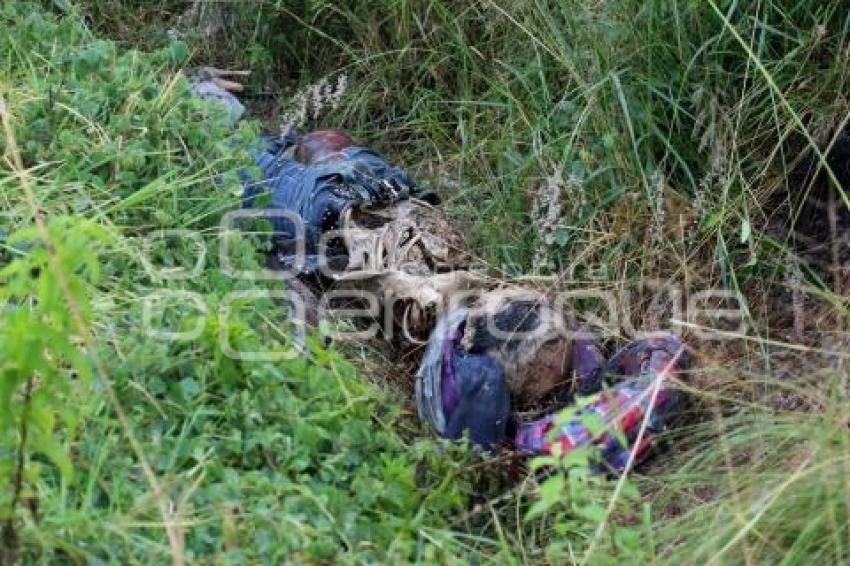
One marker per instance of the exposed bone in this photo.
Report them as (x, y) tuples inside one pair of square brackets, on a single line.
[(229, 86), (417, 301), (217, 77), (413, 259), (216, 72), (411, 236)]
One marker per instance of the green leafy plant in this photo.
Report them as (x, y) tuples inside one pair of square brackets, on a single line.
[(43, 368), (673, 127), (580, 505), (120, 446)]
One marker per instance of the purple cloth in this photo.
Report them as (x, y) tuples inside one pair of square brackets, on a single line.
[(654, 361), (587, 362), (448, 389)]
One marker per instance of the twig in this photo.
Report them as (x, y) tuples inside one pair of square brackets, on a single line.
[(10, 536), (659, 378)]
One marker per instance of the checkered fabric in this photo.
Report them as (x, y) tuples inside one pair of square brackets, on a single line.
[(648, 397)]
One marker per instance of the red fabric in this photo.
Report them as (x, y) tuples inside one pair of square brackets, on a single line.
[(321, 145)]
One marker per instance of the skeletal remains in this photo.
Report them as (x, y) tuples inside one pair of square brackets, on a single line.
[(362, 224)]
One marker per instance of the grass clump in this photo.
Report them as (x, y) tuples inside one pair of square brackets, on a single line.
[(602, 145), (118, 446), (609, 145)]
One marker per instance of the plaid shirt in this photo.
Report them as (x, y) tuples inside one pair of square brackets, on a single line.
[(648, 396)]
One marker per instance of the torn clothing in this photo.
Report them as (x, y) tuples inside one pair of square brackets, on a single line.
[(316, 195), (642, 396)]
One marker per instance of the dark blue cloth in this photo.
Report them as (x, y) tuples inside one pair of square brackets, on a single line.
[(484, 404), (320, 193)]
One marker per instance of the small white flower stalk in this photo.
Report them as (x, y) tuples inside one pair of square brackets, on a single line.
[(794, 281), (715, 181), (712, 126), (312, 101), (715, 132), (546, 210), (658, 184), (547, 213)]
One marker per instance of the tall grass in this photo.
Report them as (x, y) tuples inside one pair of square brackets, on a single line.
[(676, 130), (118, 446)]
